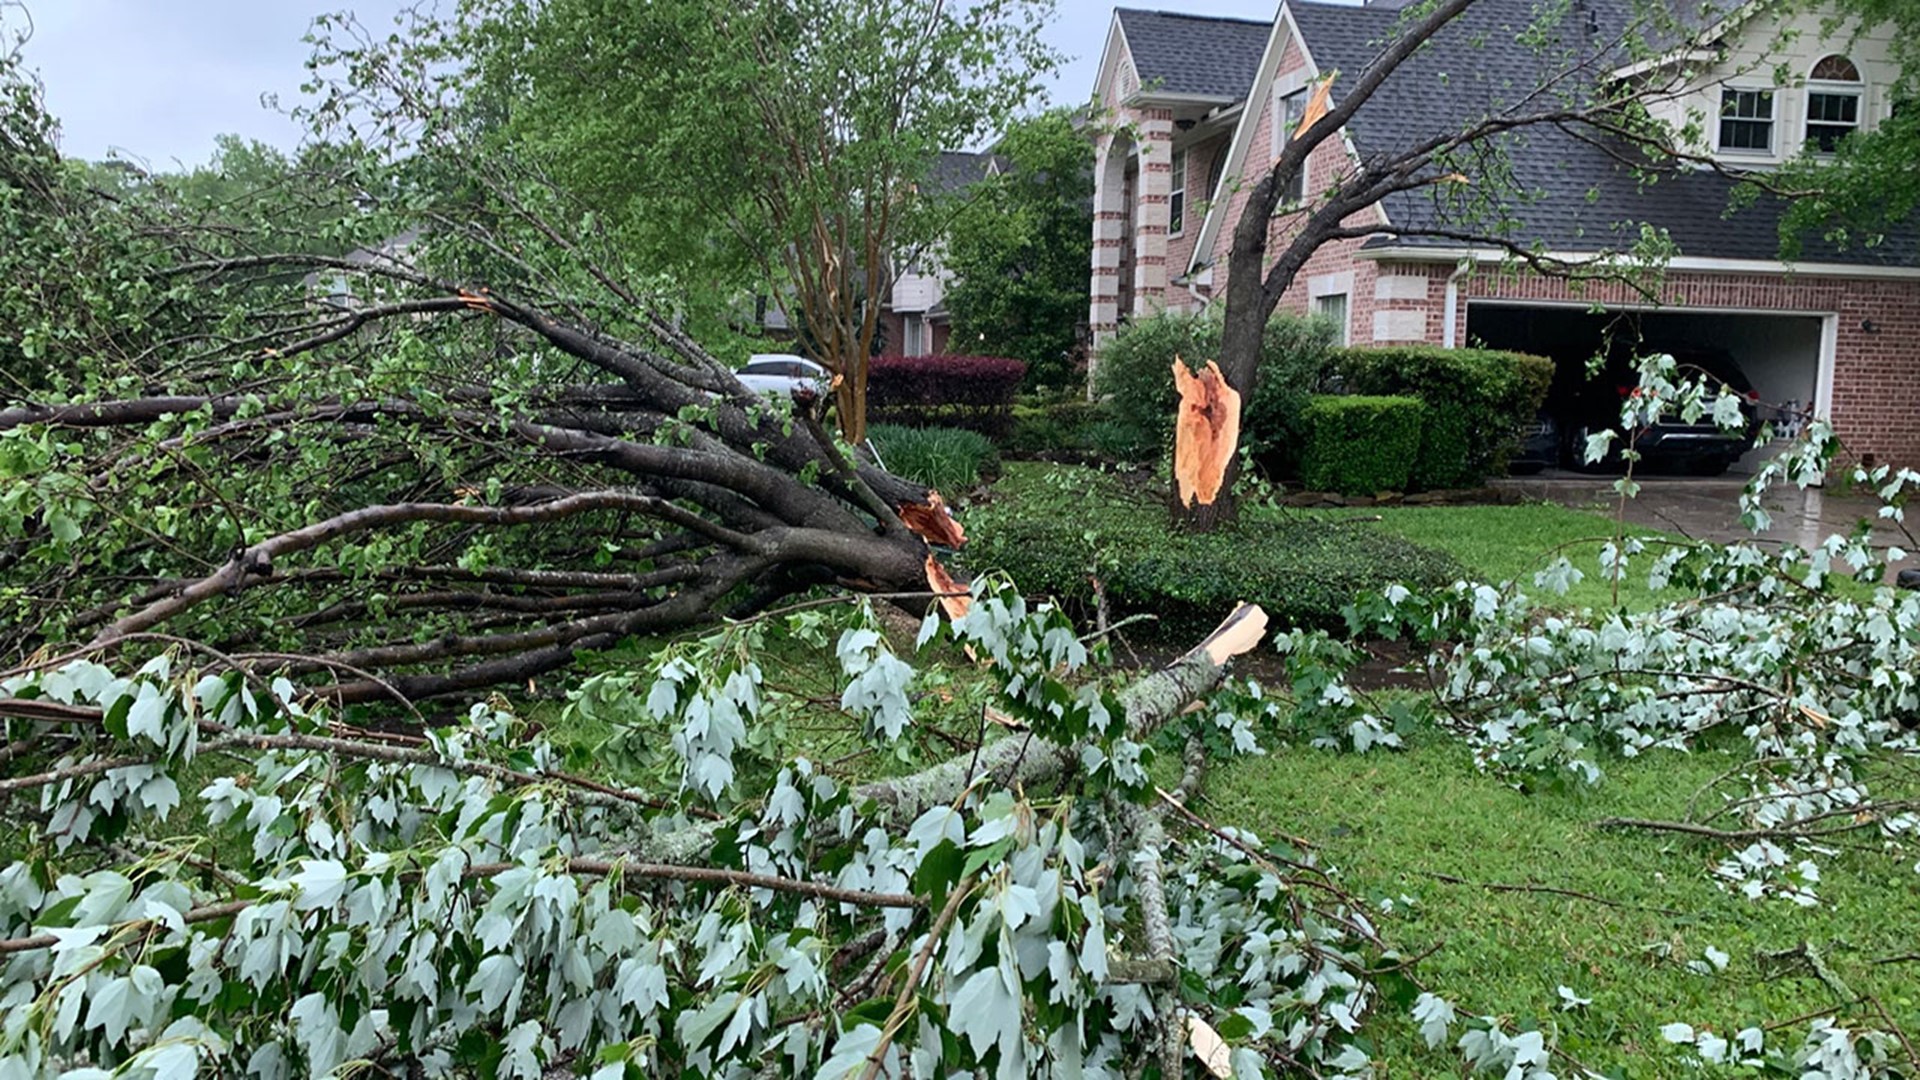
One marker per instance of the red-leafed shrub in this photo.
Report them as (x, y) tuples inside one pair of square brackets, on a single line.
[(973, 392)]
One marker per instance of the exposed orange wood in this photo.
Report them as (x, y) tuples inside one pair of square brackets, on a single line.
[(1317, 105), (933, 522), (1206, 432), (954, 598), (1241, 631)]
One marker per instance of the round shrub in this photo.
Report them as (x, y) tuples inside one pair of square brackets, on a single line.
[(1134, 375), (949, 460), (1359, 445), (1478, 401), (1053, 527)]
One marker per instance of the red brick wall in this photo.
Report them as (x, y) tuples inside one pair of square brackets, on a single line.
[(1200, 158)]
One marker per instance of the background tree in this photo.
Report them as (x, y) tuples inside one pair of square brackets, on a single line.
[(1019, 252), (776, 145)]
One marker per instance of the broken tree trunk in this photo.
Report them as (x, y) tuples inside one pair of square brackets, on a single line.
[(1206, 440)]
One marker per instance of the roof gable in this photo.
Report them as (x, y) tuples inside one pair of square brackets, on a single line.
[(1199, 56)]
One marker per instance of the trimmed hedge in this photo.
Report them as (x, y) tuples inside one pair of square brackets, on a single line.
[(1478, 401), (974, 392), (950, 460), (1134, 375), (1051, 526), (1359, 445), (1053, 427)]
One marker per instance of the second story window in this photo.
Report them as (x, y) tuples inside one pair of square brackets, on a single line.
[(1177, 195), (1833, 103), (1292, 108), (1746, 120)]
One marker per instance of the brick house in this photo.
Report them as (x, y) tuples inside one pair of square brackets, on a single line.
[(1201, 102)]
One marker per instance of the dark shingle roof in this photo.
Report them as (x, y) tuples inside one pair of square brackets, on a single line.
[(956, 170), (1574, 191), (1194, 54)]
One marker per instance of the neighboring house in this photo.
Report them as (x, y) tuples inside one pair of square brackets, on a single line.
[(914, 321), (337, 287), (1201, 102)]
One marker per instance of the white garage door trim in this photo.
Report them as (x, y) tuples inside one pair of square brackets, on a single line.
[(1829, 332)]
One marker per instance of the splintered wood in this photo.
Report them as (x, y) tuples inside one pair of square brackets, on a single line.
[(1238, 634), (933, 522), (1206, 432), (954, 598)]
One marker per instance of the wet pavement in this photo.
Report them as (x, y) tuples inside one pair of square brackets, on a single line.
[(1710, 509)]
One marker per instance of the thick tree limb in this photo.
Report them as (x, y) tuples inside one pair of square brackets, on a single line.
[(1024, 760)]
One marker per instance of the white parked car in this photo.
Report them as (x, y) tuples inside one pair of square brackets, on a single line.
[(782, 373)]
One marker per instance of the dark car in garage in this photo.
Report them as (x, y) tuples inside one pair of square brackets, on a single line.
[(1580, 404)]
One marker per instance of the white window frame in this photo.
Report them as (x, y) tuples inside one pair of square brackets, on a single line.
[(1288, 125), (1323, 288), (1857, 90), (1177, 194), (1323, 305), (913, 330), (1772, 120)]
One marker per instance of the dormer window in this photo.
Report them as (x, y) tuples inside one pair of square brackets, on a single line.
[(1834, 90), (1746, 120)]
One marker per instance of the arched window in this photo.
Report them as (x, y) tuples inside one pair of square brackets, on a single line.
[(1834, 90)]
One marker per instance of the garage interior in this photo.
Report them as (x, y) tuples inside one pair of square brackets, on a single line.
[(1778, 354)]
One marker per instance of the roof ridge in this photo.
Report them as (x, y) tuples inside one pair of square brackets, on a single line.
[(1190, 15)]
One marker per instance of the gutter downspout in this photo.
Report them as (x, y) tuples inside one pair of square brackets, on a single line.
[(1190, 281), (1451, 319)]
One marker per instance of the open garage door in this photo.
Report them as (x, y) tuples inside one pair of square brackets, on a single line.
[(1777, 357)]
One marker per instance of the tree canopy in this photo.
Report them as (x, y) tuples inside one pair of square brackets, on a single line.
[(1019, 253), (770, 148)]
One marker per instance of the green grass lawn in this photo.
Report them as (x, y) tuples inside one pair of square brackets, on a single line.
[(1506, 896), (1428, 831), (1425, 826), (1512, 543)]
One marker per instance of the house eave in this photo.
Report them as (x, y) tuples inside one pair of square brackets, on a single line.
[(1697, 264)]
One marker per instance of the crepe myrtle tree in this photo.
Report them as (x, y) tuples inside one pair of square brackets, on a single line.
[(1462, 163)]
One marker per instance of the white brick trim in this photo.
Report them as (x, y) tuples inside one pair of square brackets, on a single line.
[(1400, 287), (1320, 285), (1406, 325)]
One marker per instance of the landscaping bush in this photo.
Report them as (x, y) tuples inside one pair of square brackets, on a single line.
[(1134, 375), (1052, 526), (950, 460), (1062, 429), (1359, 445), (1478, 400), (973, 392)]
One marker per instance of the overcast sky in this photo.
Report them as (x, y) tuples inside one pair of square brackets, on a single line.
[(156, 80)]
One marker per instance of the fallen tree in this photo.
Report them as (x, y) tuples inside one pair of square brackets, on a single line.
[(708, 498)]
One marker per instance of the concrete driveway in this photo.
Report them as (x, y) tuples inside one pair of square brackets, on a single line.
[(1710, 509)]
